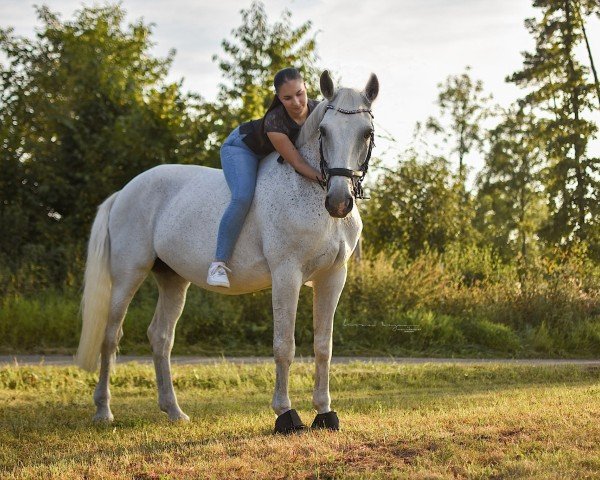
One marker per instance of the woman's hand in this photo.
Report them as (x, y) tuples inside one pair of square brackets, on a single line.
[(290, 154)]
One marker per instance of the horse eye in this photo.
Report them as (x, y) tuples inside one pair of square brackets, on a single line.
[(368, 134), (322, 131)]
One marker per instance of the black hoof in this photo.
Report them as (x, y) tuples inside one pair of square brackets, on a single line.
[(327, 420), (289, 422)]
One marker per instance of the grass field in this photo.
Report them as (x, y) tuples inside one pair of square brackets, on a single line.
[(419, 421)]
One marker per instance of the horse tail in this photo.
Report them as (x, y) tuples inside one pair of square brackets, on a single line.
[(95, 303)]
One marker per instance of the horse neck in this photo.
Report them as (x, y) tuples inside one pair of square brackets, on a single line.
[(310, 151), (308, 139), (284, 177)]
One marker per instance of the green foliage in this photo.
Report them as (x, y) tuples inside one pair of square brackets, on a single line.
[(510, 203), (413, 207), (462, 302), (510, 269), (422, 203), (561, 95), (84, 108), (47, 321)]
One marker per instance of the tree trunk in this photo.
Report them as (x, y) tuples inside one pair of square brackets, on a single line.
[(579, 174), (589, 51)]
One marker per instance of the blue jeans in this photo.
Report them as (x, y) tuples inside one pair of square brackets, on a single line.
[(240, 166)]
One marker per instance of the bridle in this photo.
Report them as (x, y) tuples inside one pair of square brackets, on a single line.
[(356, 176)]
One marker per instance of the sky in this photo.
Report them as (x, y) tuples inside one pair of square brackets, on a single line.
[(411, 45)]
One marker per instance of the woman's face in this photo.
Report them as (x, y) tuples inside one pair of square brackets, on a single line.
[(293, 96)]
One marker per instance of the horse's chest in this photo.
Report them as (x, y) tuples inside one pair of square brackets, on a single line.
[(316, 242), (295, 226)]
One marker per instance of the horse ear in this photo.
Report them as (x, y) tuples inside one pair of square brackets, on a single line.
[(372, 88), (327, 88)]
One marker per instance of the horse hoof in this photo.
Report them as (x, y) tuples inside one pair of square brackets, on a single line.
[(178, 417), (327, 420), (289, 422), (103, 417)]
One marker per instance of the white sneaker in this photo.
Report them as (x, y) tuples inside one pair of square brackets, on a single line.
[(217, 275)]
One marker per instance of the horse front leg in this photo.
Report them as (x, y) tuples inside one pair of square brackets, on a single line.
[(326, 294), (287, 281)]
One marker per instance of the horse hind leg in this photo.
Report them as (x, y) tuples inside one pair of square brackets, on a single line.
[(171, 299), (125, 284)]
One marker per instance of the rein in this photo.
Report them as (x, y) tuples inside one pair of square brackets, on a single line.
[(356, 176)]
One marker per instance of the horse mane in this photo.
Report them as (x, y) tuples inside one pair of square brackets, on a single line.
[(347, 98), (311, 124)]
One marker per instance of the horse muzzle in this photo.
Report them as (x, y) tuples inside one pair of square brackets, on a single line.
[(339, 207)]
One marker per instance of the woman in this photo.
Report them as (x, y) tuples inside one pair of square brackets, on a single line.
[(243, 150)]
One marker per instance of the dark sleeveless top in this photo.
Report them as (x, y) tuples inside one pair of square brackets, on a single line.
[(277, 120)]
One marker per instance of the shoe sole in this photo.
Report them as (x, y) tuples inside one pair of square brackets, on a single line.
[(218, 284)]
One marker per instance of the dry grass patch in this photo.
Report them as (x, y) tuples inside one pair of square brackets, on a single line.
[(419, 421)]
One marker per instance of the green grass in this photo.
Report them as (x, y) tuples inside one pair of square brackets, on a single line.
[(418, 421)]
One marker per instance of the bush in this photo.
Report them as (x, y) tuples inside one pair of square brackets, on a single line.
[(461, 302)]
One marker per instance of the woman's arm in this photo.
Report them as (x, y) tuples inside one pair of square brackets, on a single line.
[(287, 150)]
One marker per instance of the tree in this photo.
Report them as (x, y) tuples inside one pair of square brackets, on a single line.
[(510, 197), (258, 50), (84, 108), (413, 207), (463, 107), (560, 93)]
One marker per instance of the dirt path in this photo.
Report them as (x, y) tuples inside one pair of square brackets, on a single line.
[(68, 360)]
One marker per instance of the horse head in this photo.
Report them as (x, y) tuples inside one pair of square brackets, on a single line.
[(346, 138)]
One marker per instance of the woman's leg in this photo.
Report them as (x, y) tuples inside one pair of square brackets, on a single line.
[(240, 166)]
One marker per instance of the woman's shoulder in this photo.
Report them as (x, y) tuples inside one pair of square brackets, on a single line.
[(278, 111), (276, 120)]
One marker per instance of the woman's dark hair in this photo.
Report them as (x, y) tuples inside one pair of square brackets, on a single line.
[(280, 78)]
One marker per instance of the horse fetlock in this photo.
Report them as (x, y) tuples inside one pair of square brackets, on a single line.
[(178, 416), (167, 405), (173, 411), (321, 402), (101, 398), (281, 404)]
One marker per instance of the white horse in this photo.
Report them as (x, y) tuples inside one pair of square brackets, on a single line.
[(166, 219)]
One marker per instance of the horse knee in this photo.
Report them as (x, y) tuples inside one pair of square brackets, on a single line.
[(153, 337), (284, 350), (322, 352)]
